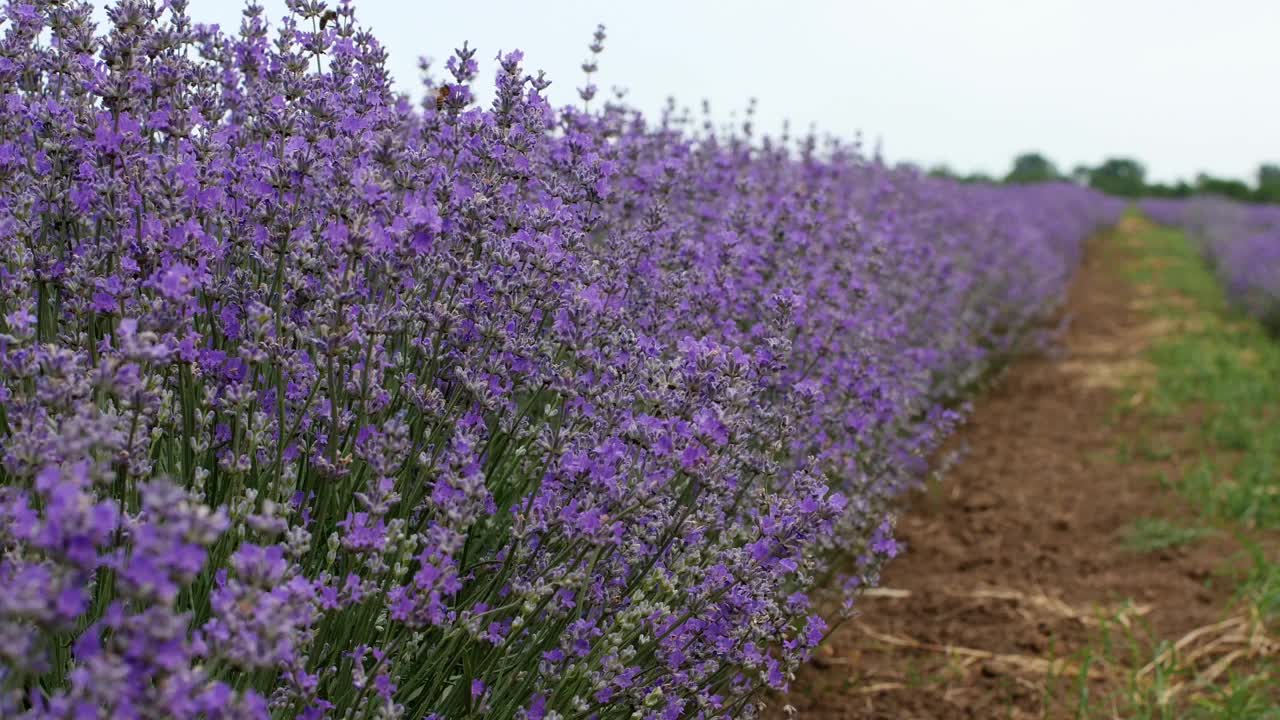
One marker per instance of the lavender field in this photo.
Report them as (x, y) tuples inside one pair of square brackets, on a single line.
[(322, 400), (1240, 241)]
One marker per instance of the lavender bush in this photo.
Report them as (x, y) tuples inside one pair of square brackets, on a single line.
[(314, 403), (1241, 242)]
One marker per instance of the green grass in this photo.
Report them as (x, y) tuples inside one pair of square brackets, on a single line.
[(1243, 698), (1224, 370), (1154, 534), (1261, 588), (1220, 372)]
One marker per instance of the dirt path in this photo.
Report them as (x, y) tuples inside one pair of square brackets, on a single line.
[(1015, 558)]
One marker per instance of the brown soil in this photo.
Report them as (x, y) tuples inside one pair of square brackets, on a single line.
[(1015, 558)]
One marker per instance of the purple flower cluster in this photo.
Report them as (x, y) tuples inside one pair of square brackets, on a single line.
[(1240, 241), (317, 403)]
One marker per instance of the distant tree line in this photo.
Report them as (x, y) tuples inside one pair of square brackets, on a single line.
[(1126, 177)]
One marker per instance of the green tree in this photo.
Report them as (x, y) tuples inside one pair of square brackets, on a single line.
[(1032, 167), (1226, 187), (1269, 183), (1119, 176), (1179, 189)]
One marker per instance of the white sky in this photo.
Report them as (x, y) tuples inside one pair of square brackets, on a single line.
[(1183, 85)]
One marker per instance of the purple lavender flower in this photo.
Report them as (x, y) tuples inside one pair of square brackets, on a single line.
[(315, 403), (1240, 242)]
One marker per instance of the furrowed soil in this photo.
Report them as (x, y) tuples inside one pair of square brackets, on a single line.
[(1017, 566)]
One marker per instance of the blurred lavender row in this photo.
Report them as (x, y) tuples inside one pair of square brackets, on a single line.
[(315, 402), (1240, 241)]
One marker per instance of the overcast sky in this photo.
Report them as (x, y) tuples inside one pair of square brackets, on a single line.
[(1183, 85)]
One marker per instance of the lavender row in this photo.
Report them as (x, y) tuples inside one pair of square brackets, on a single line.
[(318, 403), (1240, 241)]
